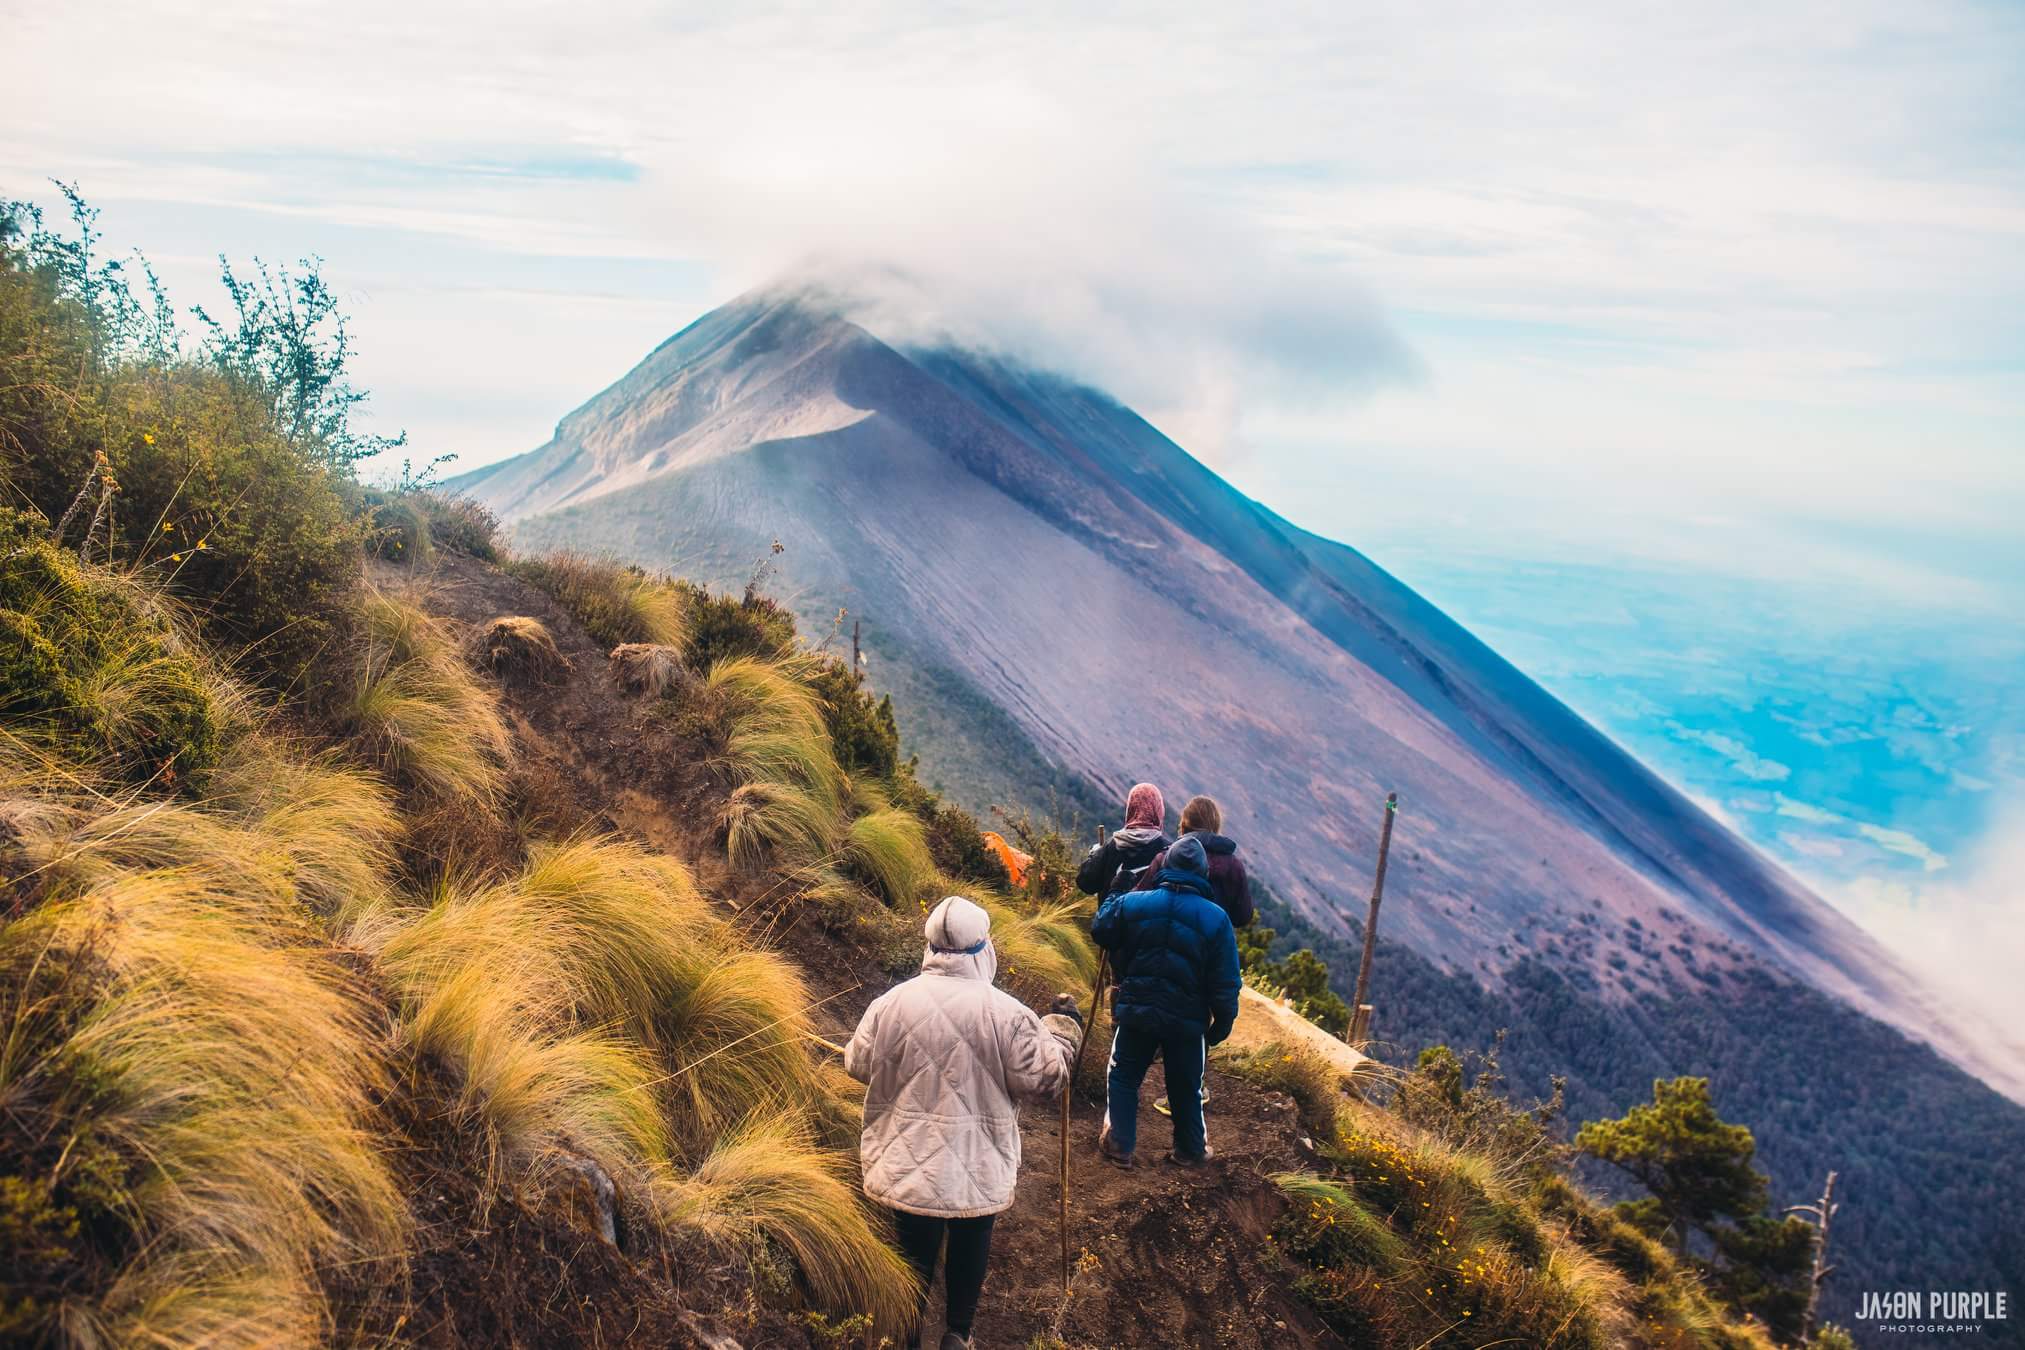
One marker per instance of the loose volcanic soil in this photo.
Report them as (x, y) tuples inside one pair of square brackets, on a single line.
[(1162, 1256)]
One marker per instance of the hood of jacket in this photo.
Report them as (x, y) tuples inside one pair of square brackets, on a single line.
[(1216, 845), (1181, 879), (1145, 808), (958, 933), (1135, 837)]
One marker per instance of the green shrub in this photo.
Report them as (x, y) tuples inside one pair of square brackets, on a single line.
[(396, 529), (862, 729), (201, 484), (1462, 1101), (957, 843), (722, 626), (461, 524), (92, 671)]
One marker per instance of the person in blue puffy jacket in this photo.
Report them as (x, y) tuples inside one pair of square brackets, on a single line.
[(1174, 962)]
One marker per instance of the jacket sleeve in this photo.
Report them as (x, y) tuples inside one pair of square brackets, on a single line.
[(1107, 930), (861, 1053), (1238, 898), (1149, 875), (1038, 1051), (1224, 981), (1100, 865)]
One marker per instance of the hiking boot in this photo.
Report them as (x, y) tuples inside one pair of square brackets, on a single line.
[(1109, 1153), (952, 1341), (1178, 1160)]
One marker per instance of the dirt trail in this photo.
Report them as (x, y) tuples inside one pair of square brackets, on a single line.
[(1177, 1257), (1173, 1257)]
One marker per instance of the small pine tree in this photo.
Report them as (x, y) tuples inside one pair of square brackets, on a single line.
[(1696, 1165)]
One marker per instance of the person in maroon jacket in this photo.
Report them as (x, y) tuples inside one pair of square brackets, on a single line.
[(1203, 818)]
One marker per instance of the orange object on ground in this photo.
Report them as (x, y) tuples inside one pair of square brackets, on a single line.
[(1016, 862)]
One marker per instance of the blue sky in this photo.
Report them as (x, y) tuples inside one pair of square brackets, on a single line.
[(1711, 317)]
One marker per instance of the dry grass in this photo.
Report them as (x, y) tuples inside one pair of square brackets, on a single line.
[(335, 826), (520, 650), (599, 937), (1471, 1242), (419, 713), (228, 1063), (537, 1086), (1042, 947), (791, 797), (647, 668), (615, 603), (890, 848), (766, 1180), (278, 830), (594, 1004)]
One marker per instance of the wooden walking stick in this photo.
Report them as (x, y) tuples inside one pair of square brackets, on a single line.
[(1096, 999), (1076, 1068), (1360, 1016)]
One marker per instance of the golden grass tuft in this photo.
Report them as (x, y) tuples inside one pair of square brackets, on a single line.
[(615, 603), (335, 826), (647, 668), (1044, 947), (890, 848), (277, 830), (228, 1059), (762, 820), (419, 713), (537, 1086), (520, 650), (597, 936), (594, 1004), (766, 1180)]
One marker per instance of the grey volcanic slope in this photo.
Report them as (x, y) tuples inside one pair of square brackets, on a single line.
[(1041, 549)]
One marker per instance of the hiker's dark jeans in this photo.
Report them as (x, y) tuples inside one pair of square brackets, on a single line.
[(969, 1249), (1132, 1053)]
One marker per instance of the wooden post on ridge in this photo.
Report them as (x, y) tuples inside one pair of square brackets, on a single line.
[(1360, 1010), (857, 657)]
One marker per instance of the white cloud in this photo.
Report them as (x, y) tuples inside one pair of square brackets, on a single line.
[(1963, 934), (1733, 254), (1747, 762)]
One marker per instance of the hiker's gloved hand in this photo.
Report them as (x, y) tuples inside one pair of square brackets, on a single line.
[(1065, 1006)]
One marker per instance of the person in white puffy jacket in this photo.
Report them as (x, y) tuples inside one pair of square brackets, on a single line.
[(946, 1057)]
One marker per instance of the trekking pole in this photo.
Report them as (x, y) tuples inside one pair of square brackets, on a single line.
[(1075, 1068), (1371, 916), (1067, 1088), (1096, 1000)]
